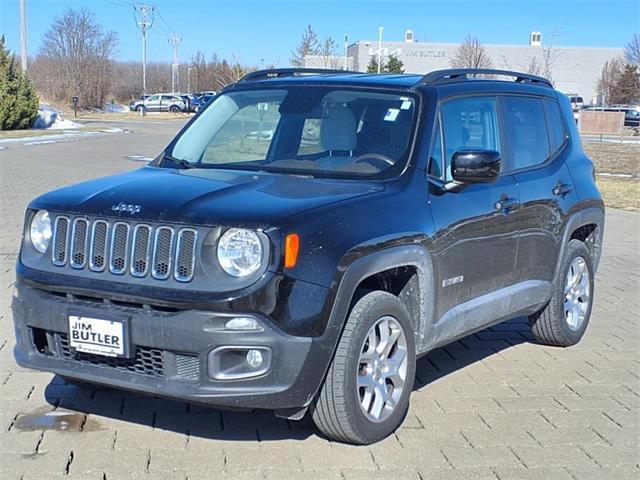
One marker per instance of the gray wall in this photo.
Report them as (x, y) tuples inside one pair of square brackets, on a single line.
[(576, 70)]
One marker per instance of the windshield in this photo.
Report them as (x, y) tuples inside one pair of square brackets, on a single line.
[(315, 130)]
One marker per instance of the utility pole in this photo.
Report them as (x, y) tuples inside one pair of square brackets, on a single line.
[(380, 30), (189, 79), (144, 20), (23, 35), (346, 44), (175, 39)]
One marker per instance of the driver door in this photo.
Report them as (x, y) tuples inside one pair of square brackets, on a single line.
[(476, 239)]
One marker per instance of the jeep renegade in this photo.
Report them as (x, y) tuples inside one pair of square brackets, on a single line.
[(308, 235)]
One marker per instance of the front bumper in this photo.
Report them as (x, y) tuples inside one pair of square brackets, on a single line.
[(172, 349)]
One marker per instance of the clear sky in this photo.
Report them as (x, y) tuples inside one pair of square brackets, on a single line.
[(267, 30)]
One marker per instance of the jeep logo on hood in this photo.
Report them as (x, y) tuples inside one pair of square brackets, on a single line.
[(126, 207)]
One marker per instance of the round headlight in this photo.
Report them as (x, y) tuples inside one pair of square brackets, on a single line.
[(40, 231), (239, 252)]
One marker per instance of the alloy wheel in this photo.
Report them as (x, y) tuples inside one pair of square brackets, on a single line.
[(382, 369), (577, 293)]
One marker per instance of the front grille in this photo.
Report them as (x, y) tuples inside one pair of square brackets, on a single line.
[(122, 247), (147, 361)]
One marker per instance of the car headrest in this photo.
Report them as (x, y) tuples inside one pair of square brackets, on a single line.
[(338, 130)]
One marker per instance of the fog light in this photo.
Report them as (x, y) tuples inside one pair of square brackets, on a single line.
[(238, 362), (242, 323), (254, 358)]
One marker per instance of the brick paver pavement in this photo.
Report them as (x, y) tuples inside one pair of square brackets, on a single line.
[(494, 405)]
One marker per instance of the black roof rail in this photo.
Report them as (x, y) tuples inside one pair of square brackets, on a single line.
[(289, 72), (457, 74)]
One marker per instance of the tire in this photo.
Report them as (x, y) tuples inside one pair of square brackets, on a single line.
[(174, 109), (140, 108), (557, 323), (337, 411)]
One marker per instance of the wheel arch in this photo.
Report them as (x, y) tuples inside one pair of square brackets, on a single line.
[(587, 226), (401, 270)]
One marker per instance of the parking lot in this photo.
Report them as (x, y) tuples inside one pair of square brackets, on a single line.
[(494, 405)]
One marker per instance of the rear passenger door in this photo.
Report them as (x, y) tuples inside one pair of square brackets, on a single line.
[(475, 245), (536, 153)]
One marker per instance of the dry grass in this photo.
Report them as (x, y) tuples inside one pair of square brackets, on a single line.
[(623, 193), (26, 133), (612, 157)]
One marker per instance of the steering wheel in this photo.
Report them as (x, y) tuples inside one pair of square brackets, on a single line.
[(372, 158)]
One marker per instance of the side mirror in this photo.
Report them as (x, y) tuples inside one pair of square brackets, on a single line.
[(474, 166)]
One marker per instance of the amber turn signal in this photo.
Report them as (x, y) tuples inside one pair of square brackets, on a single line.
[(291, 248)]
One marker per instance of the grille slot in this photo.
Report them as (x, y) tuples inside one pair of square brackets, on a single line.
[(140, 247), (60, 240), (188, 366), (185, 255), (98, 251), (162, 250), (118, 254), (79, 232)]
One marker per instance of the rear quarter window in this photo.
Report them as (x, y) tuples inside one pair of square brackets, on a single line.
[(555, 125)]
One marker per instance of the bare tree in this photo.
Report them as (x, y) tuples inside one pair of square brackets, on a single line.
[(227, 72), (549, 57), (76, 57), (632, 50), (308, 45), (328, 53), (611, 72), (471, 54)]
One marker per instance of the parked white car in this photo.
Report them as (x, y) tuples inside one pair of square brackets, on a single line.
[(160, 102)]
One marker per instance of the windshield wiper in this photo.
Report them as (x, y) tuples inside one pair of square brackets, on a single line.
[(179, 162)]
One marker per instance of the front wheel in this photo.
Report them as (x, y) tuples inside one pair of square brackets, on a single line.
[(565, 318), (365, 396)]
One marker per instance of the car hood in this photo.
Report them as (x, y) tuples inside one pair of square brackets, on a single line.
[(202, 196)]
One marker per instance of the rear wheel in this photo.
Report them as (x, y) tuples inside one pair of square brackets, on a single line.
[(365, 396), (174, 109), (565, 318)]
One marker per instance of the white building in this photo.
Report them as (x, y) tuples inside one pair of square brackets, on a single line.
[(575, 69)]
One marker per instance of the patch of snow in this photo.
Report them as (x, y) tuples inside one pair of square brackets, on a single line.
[(49, 118), (40, 142), (112, 130), (115, 108)]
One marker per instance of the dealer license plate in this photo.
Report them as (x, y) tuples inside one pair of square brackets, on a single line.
[(97, 336)]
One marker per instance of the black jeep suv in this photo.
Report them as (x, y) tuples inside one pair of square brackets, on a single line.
[(308, 235)]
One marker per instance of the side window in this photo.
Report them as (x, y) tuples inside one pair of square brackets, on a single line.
[(435, 159), (555, 125), (525, 127), (154, 98), (467, 124)]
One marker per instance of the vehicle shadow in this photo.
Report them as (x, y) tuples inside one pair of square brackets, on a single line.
[(103, 407)]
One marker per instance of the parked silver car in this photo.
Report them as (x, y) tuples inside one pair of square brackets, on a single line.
[(160, 102)]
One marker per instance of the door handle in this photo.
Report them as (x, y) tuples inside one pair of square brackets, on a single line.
[(506, 203), (562, 189)]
